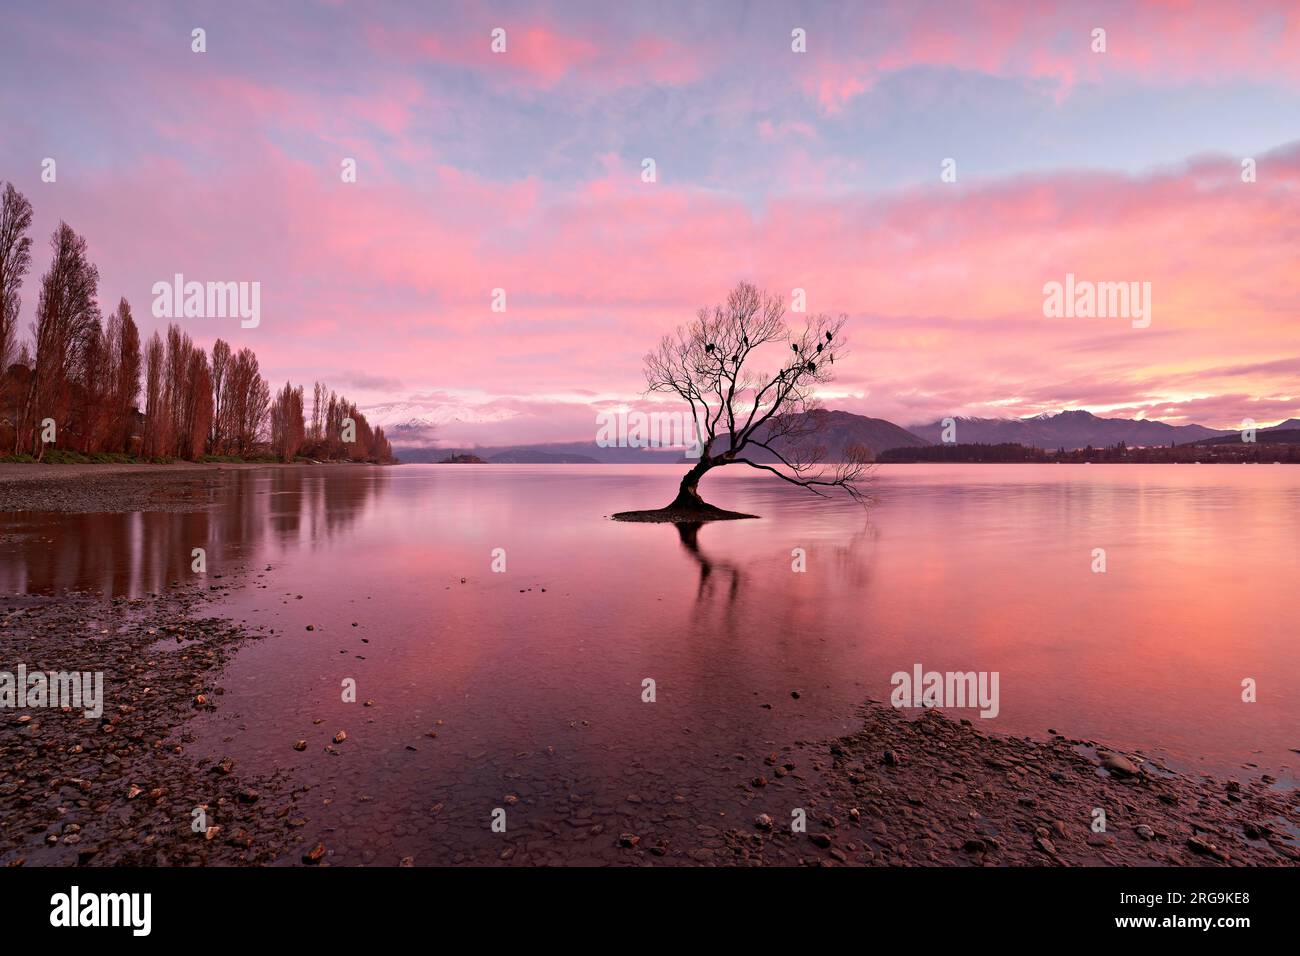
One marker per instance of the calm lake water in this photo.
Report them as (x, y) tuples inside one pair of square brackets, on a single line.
[(978, 567)]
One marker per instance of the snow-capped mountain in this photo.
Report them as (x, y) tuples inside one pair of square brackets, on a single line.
[(1071, 429), (414, 417)]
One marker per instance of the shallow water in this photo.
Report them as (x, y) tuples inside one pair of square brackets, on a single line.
[(954, 567)]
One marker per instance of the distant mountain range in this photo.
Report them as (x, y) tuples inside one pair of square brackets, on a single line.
[(1069, 430), (838, 432), (1287, 432), (418, 417), (841, 431)]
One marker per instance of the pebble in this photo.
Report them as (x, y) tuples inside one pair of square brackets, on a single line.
[(1119, 764)]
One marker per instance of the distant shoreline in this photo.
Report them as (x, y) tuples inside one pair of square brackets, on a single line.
[(1050, 462)]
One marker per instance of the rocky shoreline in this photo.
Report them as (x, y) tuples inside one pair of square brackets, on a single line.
[(932, 791), (122, 789)]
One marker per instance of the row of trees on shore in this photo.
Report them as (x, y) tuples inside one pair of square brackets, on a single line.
[(84, 376)]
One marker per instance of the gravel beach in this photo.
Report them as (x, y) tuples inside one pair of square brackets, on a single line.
[(105, 489), (928, 790), (122, 789)]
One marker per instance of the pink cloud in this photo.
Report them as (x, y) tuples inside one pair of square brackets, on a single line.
[(545, 56), (791, 128), (1161, 43), (594, 276)]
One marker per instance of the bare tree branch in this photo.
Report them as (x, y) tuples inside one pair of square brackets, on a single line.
[(711, 363)]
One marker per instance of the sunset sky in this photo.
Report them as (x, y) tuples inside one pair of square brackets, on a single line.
[(818, 170)]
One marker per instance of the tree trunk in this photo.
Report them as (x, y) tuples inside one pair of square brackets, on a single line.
[(688, 495), (24, 411), (688, 507)]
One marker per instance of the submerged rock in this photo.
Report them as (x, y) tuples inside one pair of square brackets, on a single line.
[(1119, 764)]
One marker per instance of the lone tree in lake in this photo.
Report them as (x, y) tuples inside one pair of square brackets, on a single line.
[(742, 414)]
